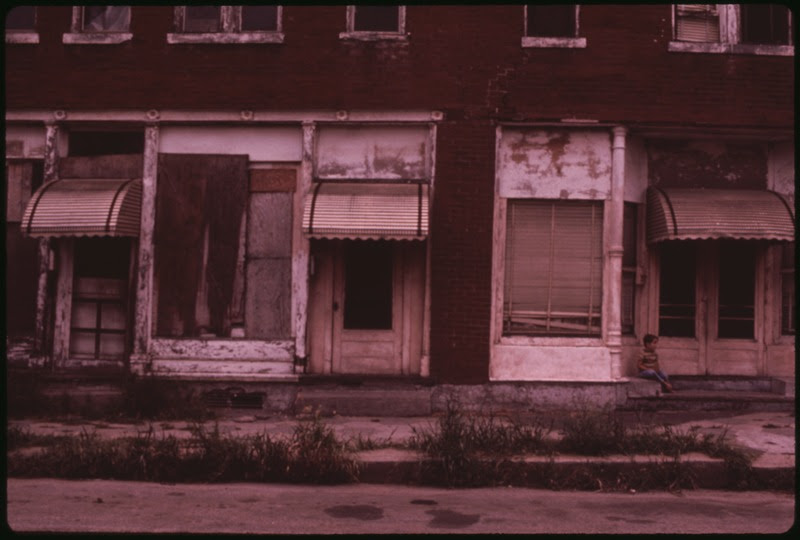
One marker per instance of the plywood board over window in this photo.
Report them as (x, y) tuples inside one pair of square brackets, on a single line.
[(200, 203)]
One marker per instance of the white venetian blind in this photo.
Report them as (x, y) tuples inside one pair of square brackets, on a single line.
[(697, 22), (553, 277)]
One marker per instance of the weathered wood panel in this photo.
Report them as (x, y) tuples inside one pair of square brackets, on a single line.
[(268, 300), (269, 229), (273, 180), (108, 166), (198, 198)]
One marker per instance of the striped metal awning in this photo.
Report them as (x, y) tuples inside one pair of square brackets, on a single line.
[(96, 207), (710, 214), (368, 211)]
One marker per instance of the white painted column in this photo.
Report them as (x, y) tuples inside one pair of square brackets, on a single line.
[(50, 174), (144, 279), (614, 250), (301, 246)]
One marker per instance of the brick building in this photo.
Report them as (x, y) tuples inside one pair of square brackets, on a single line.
[(470, 193)]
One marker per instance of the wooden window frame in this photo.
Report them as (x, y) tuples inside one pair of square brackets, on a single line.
[(571, 42), (371, 35), (229, 31), (730, 22), (78, 36), (25, 35)]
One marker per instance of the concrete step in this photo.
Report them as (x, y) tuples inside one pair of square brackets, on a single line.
[(728, 383), (712, 400)]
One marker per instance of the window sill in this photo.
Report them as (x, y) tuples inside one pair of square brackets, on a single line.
[(96, 38), (552, 341), (374, 36), (225, 38), (554, 42), (22, 37), (731, 48)]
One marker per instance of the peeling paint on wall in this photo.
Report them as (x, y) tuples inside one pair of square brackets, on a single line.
[(707, 164), (373, 153), (554, 164)]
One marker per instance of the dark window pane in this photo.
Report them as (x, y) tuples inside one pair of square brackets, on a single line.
[(737, 273), (259, 18), (201, 19), (551, 21), (368, 286), (99, 143), (21, 18), (765, 24), (102, 257), (677, 296), (376, 19)]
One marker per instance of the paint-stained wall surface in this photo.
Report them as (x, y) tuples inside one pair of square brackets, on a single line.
[(554, 164), (391, 153), (707, 164)]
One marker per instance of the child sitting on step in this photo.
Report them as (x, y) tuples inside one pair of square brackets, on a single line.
[(648, 363)]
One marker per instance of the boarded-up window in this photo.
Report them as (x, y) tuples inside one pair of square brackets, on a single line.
[(629, 224), (697, 22), (200, 204), (788, 306), (554, 261), (765, 24), (558, 20)]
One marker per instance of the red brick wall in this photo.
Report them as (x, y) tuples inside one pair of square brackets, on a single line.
[(462, 59)]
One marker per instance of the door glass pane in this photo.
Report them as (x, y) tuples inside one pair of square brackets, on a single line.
[(368, 286), (676, 310), (737, 271)]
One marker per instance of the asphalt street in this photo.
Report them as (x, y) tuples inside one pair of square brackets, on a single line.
[(138, 507)]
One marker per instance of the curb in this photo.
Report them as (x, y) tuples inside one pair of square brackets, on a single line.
[(691, 471)]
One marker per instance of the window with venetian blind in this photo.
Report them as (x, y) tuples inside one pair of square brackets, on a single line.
[(553, 268)]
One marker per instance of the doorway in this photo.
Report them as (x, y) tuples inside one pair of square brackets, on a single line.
[(366, 307), (99, 321), (708, 304)]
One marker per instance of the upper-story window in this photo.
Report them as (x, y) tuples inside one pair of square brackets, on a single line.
[(554, 25), (99, 25), (227, 24), (375, 22), (21, 25), (733, 28)]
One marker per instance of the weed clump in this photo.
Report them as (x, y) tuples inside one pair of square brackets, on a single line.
[(312, 454)]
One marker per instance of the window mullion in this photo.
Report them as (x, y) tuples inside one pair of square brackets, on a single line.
[(230, 18)]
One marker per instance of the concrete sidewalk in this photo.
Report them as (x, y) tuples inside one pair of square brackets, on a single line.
[(767, 436)]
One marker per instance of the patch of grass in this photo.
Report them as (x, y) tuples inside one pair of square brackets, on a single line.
[(21, 437), (312, 454), (475, 451)]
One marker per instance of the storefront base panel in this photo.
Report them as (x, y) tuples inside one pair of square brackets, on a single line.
[(550, 363)]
